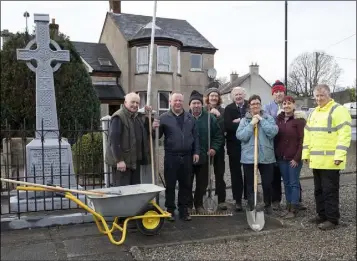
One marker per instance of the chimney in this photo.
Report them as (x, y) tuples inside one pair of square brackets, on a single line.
[(115, 6), (234, 76), (254, 69), (5, 34), (54, 29)]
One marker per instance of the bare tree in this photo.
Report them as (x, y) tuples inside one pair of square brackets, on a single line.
[(222, 80), (308, 69)]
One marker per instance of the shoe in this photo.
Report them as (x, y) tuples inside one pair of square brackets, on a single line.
[(276, 206), (268, 210), (317, 220), (200, 210), (286, 211), (172, 218), (302, 206), (185, 216), (239, 206), (222, 206), (327, 225)]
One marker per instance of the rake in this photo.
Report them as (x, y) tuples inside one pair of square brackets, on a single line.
[(209, 204)]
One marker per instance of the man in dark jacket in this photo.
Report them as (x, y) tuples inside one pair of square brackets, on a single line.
[(233, 114), (200, 169), (181, 151), (128, 145), (213, 102)]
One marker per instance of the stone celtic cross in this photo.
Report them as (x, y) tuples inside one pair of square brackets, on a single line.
[(46, 111)]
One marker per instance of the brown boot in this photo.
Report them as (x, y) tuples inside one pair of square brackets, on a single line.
[(292, 212)]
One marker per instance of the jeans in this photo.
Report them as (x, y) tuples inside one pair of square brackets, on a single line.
[(291, 179)]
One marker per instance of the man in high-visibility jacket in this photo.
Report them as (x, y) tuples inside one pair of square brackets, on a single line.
[(326, 141)]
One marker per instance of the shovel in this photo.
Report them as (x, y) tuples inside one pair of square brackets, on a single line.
[(255, 218)]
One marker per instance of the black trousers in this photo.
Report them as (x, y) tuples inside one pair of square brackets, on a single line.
[(177, 168), (235, 167), (201, 173), (327, 190), (219, 169), (276, 186), (266, 173), (128, 177)]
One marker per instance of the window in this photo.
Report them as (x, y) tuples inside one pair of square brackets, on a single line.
[(163, 102), (142, 59), (143, 99), (163, 59), (104, 62), (178, 61), (196, 62)]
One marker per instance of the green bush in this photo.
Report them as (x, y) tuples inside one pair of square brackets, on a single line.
[(88, 154)]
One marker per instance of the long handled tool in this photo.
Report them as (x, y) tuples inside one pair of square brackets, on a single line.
[(255, 218), (209, 204), (60, 189)]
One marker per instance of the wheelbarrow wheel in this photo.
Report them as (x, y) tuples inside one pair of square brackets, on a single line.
[(150, 226)]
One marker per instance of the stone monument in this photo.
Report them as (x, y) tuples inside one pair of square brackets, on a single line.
[(48, 158)]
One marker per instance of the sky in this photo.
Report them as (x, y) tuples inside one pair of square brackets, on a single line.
[(242, 31)]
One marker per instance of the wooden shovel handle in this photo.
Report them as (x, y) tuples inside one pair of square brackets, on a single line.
[(256, 158), (52, 188)]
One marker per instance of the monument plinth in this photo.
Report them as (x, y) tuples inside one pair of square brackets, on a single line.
[(48, 158)]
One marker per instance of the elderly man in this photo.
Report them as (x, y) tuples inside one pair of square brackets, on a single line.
[(213, 103), (181, 151), (128, 145), (273, 109), (233, 114), (326, 141), (200, 169)]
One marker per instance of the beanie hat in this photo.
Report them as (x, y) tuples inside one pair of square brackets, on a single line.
[(213, 89), (278, 86), (195, 95)]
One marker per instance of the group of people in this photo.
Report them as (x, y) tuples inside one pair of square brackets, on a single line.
[(286, 139)]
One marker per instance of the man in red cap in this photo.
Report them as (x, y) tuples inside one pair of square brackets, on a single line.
[(274, 108)]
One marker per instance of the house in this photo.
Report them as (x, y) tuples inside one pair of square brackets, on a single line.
[(252, 82), (105, 75), (181, 57)]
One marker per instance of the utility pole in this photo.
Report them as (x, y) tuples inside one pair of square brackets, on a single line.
[(316, 63), (286, 47)]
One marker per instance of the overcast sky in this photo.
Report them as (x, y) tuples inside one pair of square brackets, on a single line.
[(244, 31)]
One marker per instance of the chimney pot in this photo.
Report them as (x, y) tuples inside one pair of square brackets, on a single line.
[(254, 69), (234, 76)]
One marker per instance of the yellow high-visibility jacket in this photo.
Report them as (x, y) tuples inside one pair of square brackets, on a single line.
[(327, 136)]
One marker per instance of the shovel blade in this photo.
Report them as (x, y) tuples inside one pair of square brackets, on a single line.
[(255, 220)]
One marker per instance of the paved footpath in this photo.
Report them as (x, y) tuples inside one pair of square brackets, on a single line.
[(203, 238)]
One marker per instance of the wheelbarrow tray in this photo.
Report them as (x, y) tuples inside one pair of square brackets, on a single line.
[(131, 201)]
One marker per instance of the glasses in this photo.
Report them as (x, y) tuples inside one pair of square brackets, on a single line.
[(255, 104)]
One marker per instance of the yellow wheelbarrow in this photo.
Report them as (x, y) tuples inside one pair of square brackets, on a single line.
[(134, 202)]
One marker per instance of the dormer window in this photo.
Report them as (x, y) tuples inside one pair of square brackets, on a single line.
[(149, 25), (104, 62)]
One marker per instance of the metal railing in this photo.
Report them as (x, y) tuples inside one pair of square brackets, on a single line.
[(89, 170)]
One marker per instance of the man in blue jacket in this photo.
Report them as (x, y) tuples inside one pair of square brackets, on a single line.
[(182, 149)]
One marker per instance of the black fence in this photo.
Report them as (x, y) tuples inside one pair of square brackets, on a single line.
[(46, 162)]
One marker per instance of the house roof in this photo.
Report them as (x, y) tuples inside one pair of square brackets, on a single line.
[(131, 27), (93, 53), (109, 91), (227, 87)]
